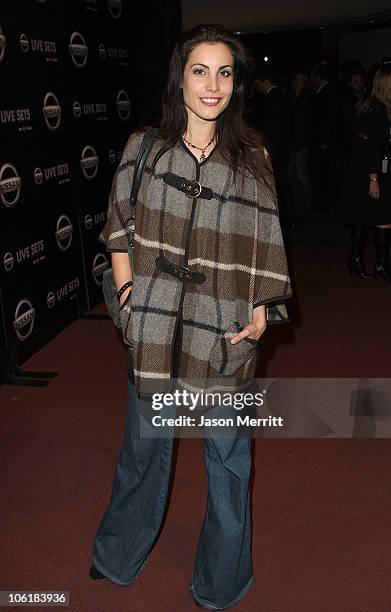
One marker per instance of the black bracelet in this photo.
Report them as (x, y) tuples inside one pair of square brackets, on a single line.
[(123, 288)]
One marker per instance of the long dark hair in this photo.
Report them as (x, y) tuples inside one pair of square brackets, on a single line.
[(240, 145)]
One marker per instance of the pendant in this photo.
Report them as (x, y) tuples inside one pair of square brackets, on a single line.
[(202, 157)]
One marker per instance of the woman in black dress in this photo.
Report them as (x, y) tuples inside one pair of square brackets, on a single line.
[(366, 179)]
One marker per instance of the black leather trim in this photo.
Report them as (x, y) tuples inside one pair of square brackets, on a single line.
[(183, 273), (187, 186)]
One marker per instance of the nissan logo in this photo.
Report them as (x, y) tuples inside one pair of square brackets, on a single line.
[(64, 232), (10, 183), (76, 107), (102, 51), (99, 265), (51, 111), (50, 299), (24, 43), (8, 261), (123, 105), (115, 7), (24, 319), (88, 222), (38, 176), (78, 50), (112, 156), (2, 45), (89, 162)]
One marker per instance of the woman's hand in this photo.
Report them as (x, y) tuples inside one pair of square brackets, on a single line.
[(374, 189), (255, 329)]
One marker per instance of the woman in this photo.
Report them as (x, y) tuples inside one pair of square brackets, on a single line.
[(208, 258), (366, 188), (300, 139)]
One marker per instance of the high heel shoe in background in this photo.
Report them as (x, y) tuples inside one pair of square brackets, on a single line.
[(382, 246), (358, 236)]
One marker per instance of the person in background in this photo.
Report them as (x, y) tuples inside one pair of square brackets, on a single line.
[(372, 70), (274, 126), (351, 99), (358, 86), (323, 143), (300, 138), (366, 189)]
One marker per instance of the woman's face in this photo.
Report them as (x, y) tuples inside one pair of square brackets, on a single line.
[(208, 80)]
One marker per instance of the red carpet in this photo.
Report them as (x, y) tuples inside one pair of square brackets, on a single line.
[(321, 508)]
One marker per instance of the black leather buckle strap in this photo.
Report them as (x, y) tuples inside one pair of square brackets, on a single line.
[(181, 272), (193, 189)]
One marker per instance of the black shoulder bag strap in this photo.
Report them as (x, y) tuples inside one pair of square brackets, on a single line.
[(150, 135)]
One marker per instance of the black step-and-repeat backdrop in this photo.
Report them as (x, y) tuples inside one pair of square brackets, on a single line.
[(76, 78)]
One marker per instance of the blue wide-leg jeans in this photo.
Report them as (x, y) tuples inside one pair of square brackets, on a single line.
[(223, 570)]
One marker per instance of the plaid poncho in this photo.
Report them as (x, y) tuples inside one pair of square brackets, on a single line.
[(231, 236)]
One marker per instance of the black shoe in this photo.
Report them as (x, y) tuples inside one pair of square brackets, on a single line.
[(201, 606), (358, 237), (382, 270), (95, 574), (355, 265), (198, 604)]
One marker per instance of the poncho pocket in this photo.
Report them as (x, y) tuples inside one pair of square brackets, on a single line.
[(225, 357)]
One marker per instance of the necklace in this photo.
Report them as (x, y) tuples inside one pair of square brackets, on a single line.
[(203, 149)]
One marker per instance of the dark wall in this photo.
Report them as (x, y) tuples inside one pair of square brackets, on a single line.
[(75, 79), (286, 51)]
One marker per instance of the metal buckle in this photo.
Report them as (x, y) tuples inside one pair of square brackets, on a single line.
[(187, 272), (181, 272), (193, 189)]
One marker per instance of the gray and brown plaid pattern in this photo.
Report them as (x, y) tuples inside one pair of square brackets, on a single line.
[(234, 239)]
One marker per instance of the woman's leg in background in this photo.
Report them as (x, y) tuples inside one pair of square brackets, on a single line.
[(382, 247), (358, 241), (304, 182)]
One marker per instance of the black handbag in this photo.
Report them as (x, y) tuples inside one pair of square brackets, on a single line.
[(109, 287)]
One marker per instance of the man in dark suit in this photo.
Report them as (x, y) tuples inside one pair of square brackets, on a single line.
[(323, 145), (272, 119)]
